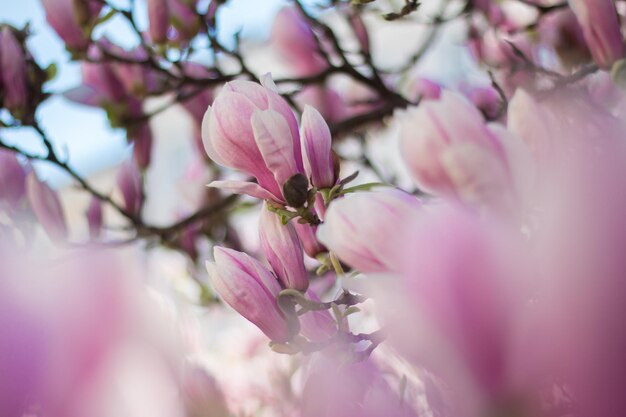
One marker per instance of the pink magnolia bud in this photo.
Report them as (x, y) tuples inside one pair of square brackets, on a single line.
[(454, 153), (138, 80), (142, 145), (249, 288), (94, 217), (131, 185), (317, 153), (12, 179), (184, 19), (251, 128), (283, 250), (293, 37), (63, 17), (324, 99), (307, 235), (158, 17), (602, 30), (47, 207), (361, 227), (13, 72), (202, 395)]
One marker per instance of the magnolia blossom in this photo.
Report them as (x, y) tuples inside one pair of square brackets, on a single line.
[(76, 332), (130, 184), (251, 128), (353, 224), (13, 72), (294, 39), (564, 125), (94, 217), (283, 250), (450, 151), (12, 179), (47, 207), (71, 18), (251, 289), (177, 14), (463, 290), (601, 27)]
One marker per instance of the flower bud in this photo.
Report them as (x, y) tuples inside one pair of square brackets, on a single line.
[(13, 72), (94, 217), (12, 179), (69, 22), (294, 39), (306, 233), (283, 250), (453, 153), (361, 227), (316, 149), (251, 128), (184, 19), (158, 18), (47, 207), (249, 288), (131, 185), (601, 27), (142, 145)]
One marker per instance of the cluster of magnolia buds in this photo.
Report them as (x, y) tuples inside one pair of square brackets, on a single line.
[(251, 128), (574, 32), (24, 196)]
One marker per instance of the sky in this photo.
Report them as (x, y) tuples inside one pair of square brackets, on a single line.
[(81, 133)]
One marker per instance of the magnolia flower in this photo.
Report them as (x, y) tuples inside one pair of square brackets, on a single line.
[(177, 14), (450, 151), (602, 30), (294, 39), (131, 186), (463, 288), (70, 20), (361, 227), (561, 126), (47, 207), (158, 18), (12, 179), (249, 288), (94, 217), (283, 250), (251, 128), (13, 72)]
